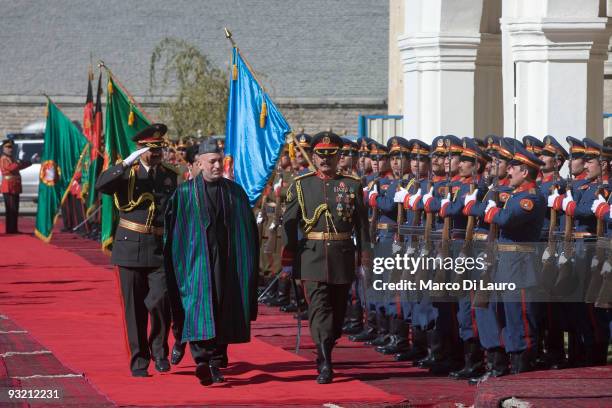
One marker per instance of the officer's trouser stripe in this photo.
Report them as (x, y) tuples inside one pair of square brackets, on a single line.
[(525, 319), (125, 331)]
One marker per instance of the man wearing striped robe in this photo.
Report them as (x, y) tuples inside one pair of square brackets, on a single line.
[(211, 254)]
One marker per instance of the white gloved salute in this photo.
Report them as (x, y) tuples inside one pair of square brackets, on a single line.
[(400, 195), (568, 199), (552, 197), (598, 201), (490, 205), (413, 199), (470, 197), (259, 218), (427, 196), (135, 155), (373, 191), (445, 200)]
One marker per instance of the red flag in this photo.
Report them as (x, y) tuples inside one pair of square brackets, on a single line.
[(88, 111), (97, 123)]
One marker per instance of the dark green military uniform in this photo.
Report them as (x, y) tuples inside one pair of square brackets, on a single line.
[(329, 211), (140, 197)]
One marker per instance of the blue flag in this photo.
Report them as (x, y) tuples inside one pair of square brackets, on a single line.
[(255, 131)]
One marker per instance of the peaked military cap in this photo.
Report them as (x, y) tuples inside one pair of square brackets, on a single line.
[(304, 140), (607, 142), (438, 147), (495, 147), (419, 149), (576, 147), (552, 148), (522, 155), (398, 145), (378, 149), (472, 152), (364, 143), (453, 143), (533, 144), (349, 148), (326, 141), (592, 149), (152, 136)]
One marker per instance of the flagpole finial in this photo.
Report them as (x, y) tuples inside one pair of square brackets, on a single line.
[(228, 35), (101, 64)]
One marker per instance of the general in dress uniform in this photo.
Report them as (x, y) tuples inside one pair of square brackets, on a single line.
[(328, 209), (141, 185)]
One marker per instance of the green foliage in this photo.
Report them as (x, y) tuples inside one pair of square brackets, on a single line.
[(201, 89)]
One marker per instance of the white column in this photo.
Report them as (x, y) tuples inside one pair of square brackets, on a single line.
[(451, 58), (553, 64)]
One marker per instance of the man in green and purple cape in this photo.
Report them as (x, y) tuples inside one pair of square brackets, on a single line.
[(211, 252)]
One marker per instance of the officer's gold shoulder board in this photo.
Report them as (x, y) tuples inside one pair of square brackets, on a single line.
[(353, 177), (171, 168), (503, 197), (311, 173), (526, 204)]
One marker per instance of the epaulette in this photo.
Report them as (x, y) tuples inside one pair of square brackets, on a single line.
[(351, 176), (312, 173), (171, 168)]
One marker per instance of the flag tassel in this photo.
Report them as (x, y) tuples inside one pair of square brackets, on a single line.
[(263, 114)]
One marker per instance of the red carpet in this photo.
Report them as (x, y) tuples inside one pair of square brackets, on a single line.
[(71, 307)]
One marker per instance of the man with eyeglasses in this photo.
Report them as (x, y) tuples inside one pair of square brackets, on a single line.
[(327, 208)]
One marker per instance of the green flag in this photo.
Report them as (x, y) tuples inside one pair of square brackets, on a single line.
[(123, 120), (62, 155)]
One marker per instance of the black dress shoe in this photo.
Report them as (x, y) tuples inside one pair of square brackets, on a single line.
[(290, 308), (203, 373), (178, 352), (216, 375), (140, 373), (162, 365), (326, 374)]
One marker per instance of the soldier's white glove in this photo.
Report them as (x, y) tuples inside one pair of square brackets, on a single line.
[(427, 196), (552, 197), (445, 200), (135, 155), (259, 218), (490, 205), (546, 255), (413, 199), (278, 185), (470, 197), (490, 186), (373, 191), (272, 226), (599, 200), (594, 262), (568, 199), (400, 195), (287, 270), (21, 155), (606, 268)]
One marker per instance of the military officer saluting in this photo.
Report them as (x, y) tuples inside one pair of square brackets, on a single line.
[(327, 208), (141, 185)]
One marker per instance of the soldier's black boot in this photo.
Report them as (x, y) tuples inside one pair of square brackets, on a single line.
[(354, 319), (497, 366), (418, 349), (282, 296), (435, 350), (326, 373), (178, 351), (382, 323), (521, 362), (399, 340), (473, 361), (369, 331)]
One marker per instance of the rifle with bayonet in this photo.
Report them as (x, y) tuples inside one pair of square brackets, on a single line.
[(270, 247), (444, 249), (550, 256), (596, 280)]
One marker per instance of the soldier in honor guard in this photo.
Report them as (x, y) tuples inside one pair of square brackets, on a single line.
[(349, 155), (328, 209), (11, 184), (141, 185), (300, 165), (364, 163)]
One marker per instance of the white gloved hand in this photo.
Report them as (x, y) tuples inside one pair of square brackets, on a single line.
[(546, 255), (373, 191), (490, 205), (400, 195), (568, 199), (598, 200), (490, 186), (552, 197), (414, 198), (135, 155), (445, 200), (427, 196), (259, 218), (21, 155), (470, 197), (272, 226), (288, 270), (606, 268)]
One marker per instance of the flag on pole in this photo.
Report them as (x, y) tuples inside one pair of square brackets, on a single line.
[(255, 131), (123, 120), (95, 157), (83, 178), (62, 155)]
